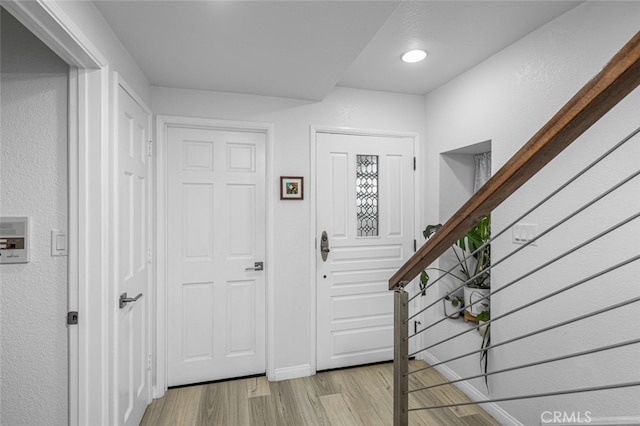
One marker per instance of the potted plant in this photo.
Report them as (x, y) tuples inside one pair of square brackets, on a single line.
[(475, 298), (453, 305), (473, 253), (483, 317), (474, 270), (485, 332), (478, 275)]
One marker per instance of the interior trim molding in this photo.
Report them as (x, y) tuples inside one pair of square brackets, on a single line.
[(51, 25), (294, 372), (88, 204)]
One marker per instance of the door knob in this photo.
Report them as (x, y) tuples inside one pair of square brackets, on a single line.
[(258, 266), (324, 246), (124, 299)]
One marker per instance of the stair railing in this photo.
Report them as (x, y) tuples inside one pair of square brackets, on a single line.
[(619, 78)]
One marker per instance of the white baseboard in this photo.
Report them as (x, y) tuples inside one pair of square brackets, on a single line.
[(474, 394), (294, 372), (157, 392)]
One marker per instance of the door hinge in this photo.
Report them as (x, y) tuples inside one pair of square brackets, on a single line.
[(149, 362), (149, 256), (415, 246), (414, 163), (72, 318), (150, 148)]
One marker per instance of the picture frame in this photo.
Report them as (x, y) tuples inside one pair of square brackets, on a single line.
[(291, 188)]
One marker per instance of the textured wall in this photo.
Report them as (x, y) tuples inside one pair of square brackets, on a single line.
[(506, 99), (33, 178)]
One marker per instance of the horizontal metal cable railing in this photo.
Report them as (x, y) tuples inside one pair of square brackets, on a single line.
[(627, 180), (578, 273)]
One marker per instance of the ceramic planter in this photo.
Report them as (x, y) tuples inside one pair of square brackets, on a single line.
[(473, 300), (451, 311)]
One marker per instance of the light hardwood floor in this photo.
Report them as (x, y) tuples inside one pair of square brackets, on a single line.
[(352, 396)]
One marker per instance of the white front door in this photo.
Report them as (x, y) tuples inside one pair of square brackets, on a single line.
[(365, 208), (132, 370), (216, 241)]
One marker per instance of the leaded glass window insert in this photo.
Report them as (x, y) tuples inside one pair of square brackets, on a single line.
[(367, 195)]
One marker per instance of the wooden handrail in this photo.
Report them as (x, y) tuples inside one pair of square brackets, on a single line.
[(619, 78)]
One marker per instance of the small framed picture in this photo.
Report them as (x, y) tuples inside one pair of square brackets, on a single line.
[(291, 188)]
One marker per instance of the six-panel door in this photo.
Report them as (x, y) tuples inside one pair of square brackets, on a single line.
[(132, 371), (215, 235)]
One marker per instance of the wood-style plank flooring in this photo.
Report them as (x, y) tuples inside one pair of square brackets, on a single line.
[(352, 396)]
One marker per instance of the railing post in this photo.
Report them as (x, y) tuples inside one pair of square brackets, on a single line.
[(400, 358)]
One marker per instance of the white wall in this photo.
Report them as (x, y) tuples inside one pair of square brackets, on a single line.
[(507, 99), (69, 27), (292, 231), (33, 173)]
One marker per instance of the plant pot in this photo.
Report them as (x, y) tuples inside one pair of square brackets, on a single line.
[(451, 311), (471, 296), (484, 327)]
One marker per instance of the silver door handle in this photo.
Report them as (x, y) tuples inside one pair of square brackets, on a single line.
[(124, 299), (258, 266), (324, 246)]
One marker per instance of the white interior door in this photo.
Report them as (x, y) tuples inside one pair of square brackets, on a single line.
[(365, 205), (216, 237), (132, 372)]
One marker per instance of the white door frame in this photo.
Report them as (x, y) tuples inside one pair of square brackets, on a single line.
[(314, 130), (163, 123), (88, 166)]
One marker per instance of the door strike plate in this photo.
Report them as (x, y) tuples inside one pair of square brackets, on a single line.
[(72, 318)]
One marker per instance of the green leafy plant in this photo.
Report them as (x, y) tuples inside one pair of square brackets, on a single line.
[(474, 258), (457, 303), (454, 300), (485, 316), (474, 270)]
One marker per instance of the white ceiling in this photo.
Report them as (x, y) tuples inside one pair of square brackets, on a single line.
[(303, 49)]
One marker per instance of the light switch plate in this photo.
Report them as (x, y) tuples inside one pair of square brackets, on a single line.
[(522, 233), (58, 243)]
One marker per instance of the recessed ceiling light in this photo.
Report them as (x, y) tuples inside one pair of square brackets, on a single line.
[(414, 56)]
